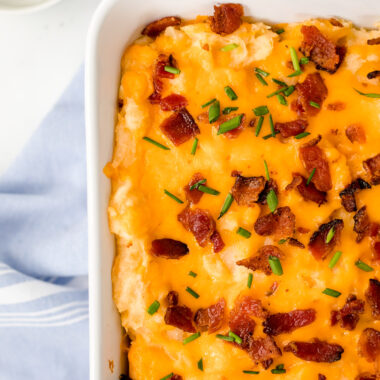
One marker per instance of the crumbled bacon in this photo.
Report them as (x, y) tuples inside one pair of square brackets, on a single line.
[(180, 317), (321, 377), (374, 41), (366, 376), (217, 241), (281, 323), (372, 165), (337, 106), (372, 295), (291, 128), (156, 27), (295, 243), (180, 127), (323, 52), (264, 350), (347, 195), (226, 18), (211, 319), (373, 74), (362, 224), (172, 298), (176, 377), (246, 190), (194, 195), (348, 315), (355, 132), (169, 248), (376, 250), (159, 73), (269, 185), (317, 244), (260, 261), (317, 351), (369, 344), (335, 22), (308, 191), (279, 223), (173, 102)]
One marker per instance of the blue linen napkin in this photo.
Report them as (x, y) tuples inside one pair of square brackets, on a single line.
[(43, 250)]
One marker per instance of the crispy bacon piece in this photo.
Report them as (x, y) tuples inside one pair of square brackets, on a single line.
[(309, 192), (366, 376), (372, 296), (372, 165), (335, 22), (172, 298), (264, 350), (246, 190), (281, 323), (269, 185), (317, 244), (347, 195), (355, 132), (291, 128), (180, 127), (348, 315), (217, 241), (369, 344), (373, 74), (173, 102), (374, 41), (362, 224), (159, 73), (211, 319), (169, 249), (316, 351), (260, 261), (156, 27), (321, 377), (176, 377), (313, 157), (226, 18), (376, 250), (295, 243), (194, 196), (337, 106), (323, 52), (180, 317), (280, 223)]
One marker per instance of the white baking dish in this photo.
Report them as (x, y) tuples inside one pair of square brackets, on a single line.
[(115, 25)]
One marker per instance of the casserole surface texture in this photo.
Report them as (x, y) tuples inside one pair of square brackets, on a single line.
[(318, 196)]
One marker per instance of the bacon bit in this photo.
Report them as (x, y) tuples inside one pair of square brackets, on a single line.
[(335, 22), (317, 244), (159, 73), (321, 377), (372, 296), (316, 351), (252, 123), (369, 344), (156, 27), (206, 47), (272, 289), (291, 128), (303, 230), (217, 242), (374, 41), (226, 18), (323, 52), (362, 224), (355, 132), (269, 185), (348, 193), (180, 317), (246, 190), (295, 243), (312, 89), (366, 376), (173, 102), (234, 132), (308, 192), (373, 74), (376, 250), (179, 127), (176, 377), (280, 223), (260, 261), (172, 298), (194, 196), (337, 106), (169, 249), (211, 318), (264, 350), (372, 165), (348, 315)]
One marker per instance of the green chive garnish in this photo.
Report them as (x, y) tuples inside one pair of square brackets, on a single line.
[(272, 200), (259, 125), (363, 266), (368, 95), (335, 259), (266, 137), (260, 111), (272, 125), (208, 190), (279, 31), (153, 307), (236, 338), (167, 377), (251, 372), (214, 112), (228, 110), (302, 135), (192, 274), (171, 69), (250, 279), (261, 72), (275, 265), (230, 93), (304, 60), (229, 47), (282, 89), (293, 55), (314, 104), (196, 184), (331, 292), (279, 82), (279, 369), (229, 125), (289, 90), (155, 143), (311, 177), (191, 338), (192, 292), (330, 235), (169, 194), (282, 241), (194, 147), (295, 74), (266, 170), (223, 337), (200, 364), (226, 205), (208, 103), (282, 100), (243, 232), (262, 80)]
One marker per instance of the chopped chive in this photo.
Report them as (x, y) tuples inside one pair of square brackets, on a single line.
[(304, 60), (237, 338), (266, 170), (279, 82), (314, 104), (260, 111), (293, 55), (191, 338), (368, 95), (259, 125), (330, 235), (229, 125), (214, 112), (266, 137), (155, 143), (311, 177), (171, 69), (251, 372), (228, 110), (250, 279), (280, 31), (275, 265), (226, 205), (196, 184), (208, 190), (282, 100), (208, 103), (335, 259), (331, 292), (167, 377), (192, 274), (224, 337), (302, 135), (169, 194), (153, 307), (282, 241), (229, 47), (272, 125), (295, 74), (289, 90), (200, 364), (272, 200), (281, 89), (262, 80), (261, 72), (243, 232), (230, 93), (192, 292), (363, 266), (279, 369), (194, 147)]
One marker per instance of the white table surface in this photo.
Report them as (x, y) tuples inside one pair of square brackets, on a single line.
[(40, 53)]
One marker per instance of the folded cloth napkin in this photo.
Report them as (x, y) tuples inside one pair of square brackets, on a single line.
[(43, 250)]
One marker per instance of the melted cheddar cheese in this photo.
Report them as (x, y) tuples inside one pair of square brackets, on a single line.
[(140, 211)]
